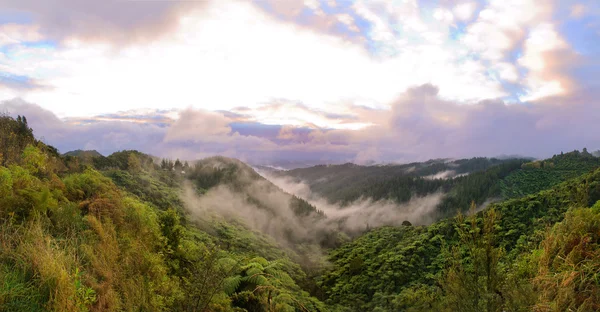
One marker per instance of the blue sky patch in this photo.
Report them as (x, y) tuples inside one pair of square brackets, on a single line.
[(17, 81)]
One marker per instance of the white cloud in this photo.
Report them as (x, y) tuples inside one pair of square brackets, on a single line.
[(541, 40), (443, 15), (501, 25), (507, 71), (17, 33), (234, 54), (348, 20), (315, 6), (295, 114), (464, 11)]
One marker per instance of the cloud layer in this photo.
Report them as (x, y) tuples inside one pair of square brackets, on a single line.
[(214, 55), (419, 126), (319, 80)]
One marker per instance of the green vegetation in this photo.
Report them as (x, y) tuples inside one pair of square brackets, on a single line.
[(540, 175), (110, 235), (349, 182), (84, 232), (481, 180), (479, 263)]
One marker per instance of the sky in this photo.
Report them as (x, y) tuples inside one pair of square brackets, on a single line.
[(327, 81)]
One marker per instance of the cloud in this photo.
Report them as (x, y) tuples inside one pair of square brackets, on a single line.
[(18, 83), (104, 136), (198, 125), (419, 125), (350, 81), (285, 112), (348, 20), (429, 124), (231, 53), (364, 212), (441, 175), (500, 26), (121, 22), (12, 33), (578, 10), (464, 11), (543, 80)]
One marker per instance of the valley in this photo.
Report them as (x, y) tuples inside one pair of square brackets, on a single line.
[(85, 232)]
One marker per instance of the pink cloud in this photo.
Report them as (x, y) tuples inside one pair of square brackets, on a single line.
[(419, 125)]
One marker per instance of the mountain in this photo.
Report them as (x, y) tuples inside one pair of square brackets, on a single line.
[(83, 153), (283, 164), (462, 181), (130, 231), (348, 182)]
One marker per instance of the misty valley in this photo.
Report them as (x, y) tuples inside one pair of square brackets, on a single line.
[(80, 231)]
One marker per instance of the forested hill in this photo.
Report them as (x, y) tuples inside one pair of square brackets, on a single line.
[(321, 177), (543, 174), (507, 258), (478, 179), (83, 153), (111, 234), (348, 182)]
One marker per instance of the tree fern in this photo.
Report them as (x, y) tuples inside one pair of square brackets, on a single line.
[(231, 284)]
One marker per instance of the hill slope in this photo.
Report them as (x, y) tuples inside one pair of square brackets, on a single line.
[(115, 238), (413, 266), (83, 154), (462, 181)]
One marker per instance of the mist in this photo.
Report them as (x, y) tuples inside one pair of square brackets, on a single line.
[(267, 211), (265, 206), (448, 174), (441, 175), (364, 212)]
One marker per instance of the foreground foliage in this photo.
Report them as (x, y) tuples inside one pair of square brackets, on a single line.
[(74, 238)]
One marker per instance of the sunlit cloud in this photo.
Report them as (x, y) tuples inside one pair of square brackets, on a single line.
[(325, 77), (464, 11)]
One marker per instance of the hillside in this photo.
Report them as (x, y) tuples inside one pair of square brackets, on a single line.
[(418, 268), (540, 175), (83, 154), (332, 181), (481, 180), (115, 237), (132, 232)]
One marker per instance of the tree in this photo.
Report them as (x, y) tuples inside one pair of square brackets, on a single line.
[(473, 279), (262, 285), (133, 163), (178, 165)]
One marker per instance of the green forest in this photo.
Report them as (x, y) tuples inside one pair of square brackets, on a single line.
[(131, 232)]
